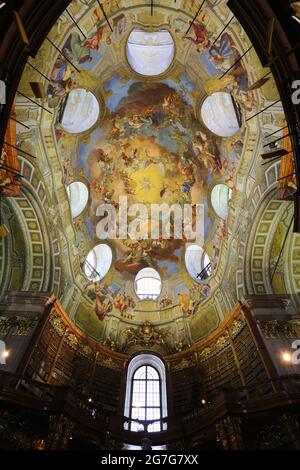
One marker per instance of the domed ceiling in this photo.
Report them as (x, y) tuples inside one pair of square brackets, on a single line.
[(167, 138)]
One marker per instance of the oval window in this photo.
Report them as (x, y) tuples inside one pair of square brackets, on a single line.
[(221, 114), (150, 53), (79, 111), (220, 197), (98, 262), (78, 195), (197, 263)]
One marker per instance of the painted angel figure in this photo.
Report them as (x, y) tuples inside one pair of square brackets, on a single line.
[(201, 40)]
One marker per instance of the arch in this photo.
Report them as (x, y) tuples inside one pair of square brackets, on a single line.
[(157, 364), (254, 275), (36, 261)]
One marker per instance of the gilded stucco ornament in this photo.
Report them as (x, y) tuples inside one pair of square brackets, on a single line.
[(17, 326), (58, 324), (108, 362), (145, 336), (184, 363), (280, 329)]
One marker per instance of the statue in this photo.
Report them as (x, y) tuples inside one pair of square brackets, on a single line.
[(146, 444), (145, 336)]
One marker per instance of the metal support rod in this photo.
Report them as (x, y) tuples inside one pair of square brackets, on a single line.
[(275, 132), (38, 104), (34, 68), (287, 176), (266, 75), (262, 110), (152, 7), (279, 138), (76, 24), (225, 27), (21, 123), (3, 167), (282, 248), (6, 188), (9, 167), (105, 15), (68, 60), (19, 150), (195, 17), (94, 271), (236, 62)]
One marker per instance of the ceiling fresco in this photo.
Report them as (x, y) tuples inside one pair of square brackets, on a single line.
[(151, 144)]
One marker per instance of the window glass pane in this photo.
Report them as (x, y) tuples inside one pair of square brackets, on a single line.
[(221, 114), (153, 400), (81, 111), (140, 373), (150, 53), (148, 284), (197, 263), (98, 262), (152, 374), (154, 427), (153, 413)]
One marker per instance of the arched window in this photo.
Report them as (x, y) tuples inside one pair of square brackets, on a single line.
[(148, 284), (146, 396)]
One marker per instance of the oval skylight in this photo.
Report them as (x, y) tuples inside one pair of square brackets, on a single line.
[(78, 196), (197, 263), (150, 53), (98, 262), (79, 111), (220, 197), (148, 284), (221, 114)]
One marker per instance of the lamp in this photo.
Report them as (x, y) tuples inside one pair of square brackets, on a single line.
[(286, 357)]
